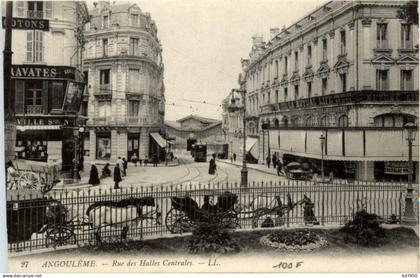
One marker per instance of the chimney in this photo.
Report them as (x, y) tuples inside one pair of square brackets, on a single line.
[(257, 40), (274, 32)]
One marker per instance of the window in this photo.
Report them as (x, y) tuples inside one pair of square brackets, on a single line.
[(343, 80), (133, 108), (296, 60), (48, 9), (84, 108), (296, 92), (105, 47), (57, 94), (33, 97), (406, 80), (276, 69), (268, 97), (381, 35), (285, 94), (135, 20), (20, 8), (309, 89), (343, 41), (277, 96), (324, 86), (105, 22), (323, 121), (35, 9), (406, 36), (134, 46), (382, 79), (324, 50), (285, 64), (309, 49), (343, 121), (104, 77), (34, 46), (134, 80)]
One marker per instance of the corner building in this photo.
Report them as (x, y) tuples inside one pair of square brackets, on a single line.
[(47, 81), (123, 62), (348, 70)]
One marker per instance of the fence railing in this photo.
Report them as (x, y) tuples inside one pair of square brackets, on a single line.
[(97, 215)]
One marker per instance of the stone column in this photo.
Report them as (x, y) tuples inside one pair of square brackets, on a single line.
[(144, 143)]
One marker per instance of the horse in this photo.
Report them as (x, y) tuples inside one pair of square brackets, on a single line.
[(121, 214)]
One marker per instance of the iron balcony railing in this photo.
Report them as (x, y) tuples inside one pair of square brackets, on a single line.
[(352, 97)]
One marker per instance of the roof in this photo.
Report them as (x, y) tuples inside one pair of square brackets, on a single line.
[(173, 124), (177, 126), (198, 118)]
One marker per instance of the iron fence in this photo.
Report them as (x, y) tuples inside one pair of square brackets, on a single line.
[(95, 215)]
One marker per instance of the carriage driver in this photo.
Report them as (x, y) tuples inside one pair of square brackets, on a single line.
[(209, 203)]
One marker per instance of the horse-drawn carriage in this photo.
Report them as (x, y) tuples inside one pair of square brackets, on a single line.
[(27, 174), (185, 212), (49, 222)]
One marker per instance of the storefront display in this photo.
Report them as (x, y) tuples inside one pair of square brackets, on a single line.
[(103, 147)]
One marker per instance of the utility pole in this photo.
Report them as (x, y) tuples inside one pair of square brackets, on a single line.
[(9, 113)]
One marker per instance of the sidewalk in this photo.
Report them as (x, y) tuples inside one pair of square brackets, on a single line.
[(99, 164), (257, 167)]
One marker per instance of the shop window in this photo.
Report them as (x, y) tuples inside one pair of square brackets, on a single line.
[(406, 80), (34, 46), (103, 146), (32, 147), (33, 97)]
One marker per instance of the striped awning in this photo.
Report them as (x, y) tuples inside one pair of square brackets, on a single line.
[(159, 139), (38, 127)]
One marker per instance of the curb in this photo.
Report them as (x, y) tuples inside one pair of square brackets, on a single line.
[(256, 169)]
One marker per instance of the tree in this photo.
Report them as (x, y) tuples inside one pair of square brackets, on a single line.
[(409, 12)]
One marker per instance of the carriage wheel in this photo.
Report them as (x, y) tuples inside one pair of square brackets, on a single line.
[(29, 180), (177, 222), (60, 235)]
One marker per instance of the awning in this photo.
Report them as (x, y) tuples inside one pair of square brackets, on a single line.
[(249, 143), (159, 139), (38, 127)]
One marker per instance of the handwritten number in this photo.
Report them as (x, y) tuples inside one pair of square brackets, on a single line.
[(24, 264)]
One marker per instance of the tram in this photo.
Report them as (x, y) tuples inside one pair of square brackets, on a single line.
[(199, 152)]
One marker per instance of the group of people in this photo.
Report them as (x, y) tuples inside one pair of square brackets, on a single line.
[(120, 170), (277, 163)]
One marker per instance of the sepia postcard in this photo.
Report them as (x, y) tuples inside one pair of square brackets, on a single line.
[(211, 136)]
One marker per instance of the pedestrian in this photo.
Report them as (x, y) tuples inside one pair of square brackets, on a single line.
[(75, 171), (234, 156), (117, 176), (94, 176), (106, 172), (12, 175), (120, 163), (125, 166), (267, 160), (81, 163), (274, 160), (279, 168), (212, 165)]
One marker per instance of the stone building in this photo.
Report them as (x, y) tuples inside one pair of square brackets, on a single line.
[(47, 82), (205, 130), (348, 70), (123, 62)]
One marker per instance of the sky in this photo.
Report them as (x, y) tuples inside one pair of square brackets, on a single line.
[(203, 43)]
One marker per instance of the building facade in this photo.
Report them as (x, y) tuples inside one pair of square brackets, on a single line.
[(204, 130), (123, 62), (349, 71), (47, 83)]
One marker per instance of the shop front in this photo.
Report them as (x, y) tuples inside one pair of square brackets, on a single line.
[(47, 100)]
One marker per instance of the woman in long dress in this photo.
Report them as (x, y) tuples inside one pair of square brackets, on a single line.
[(212, 165), (94, 176)]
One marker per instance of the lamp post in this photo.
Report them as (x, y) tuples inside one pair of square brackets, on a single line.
[(322, 140), (233, 107), (409, 217)]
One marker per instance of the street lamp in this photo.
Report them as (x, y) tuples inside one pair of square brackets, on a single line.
[(409, 216), (322, 140), (233, 107)]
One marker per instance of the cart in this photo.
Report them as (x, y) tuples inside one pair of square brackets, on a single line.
[(185, 212), (42, 176)]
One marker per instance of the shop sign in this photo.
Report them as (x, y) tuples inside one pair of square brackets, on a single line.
[(396, 168), (42, 121), (28, 23), (43, 72)]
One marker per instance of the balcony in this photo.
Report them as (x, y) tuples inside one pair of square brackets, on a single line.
[(35, 14), (352, 97), (34, 109), (123, 121), (268, 107)]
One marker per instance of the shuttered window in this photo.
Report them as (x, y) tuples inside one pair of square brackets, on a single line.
[(20, 8), (48, 9), (20, 96), (34, 46)]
